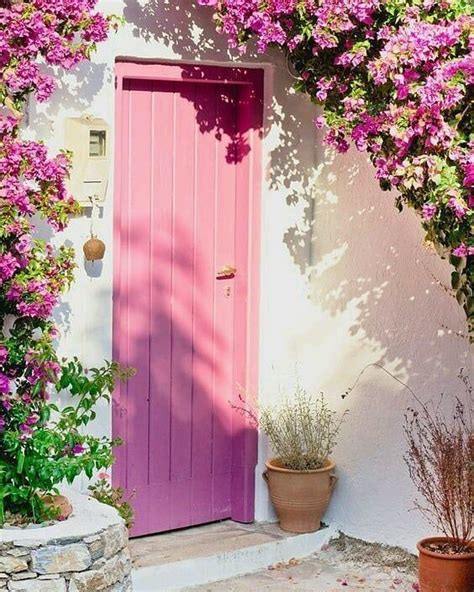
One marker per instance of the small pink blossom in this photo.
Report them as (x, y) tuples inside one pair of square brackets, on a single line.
[(4, 383), (463, 250), (429, 211), (457, 208), (3, 354)]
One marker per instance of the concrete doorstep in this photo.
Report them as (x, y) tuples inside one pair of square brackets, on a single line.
[(215, 552)]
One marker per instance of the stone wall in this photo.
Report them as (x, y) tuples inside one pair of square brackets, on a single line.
[(86, 553)]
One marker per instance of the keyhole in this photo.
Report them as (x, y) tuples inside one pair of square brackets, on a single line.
[(227, 292)]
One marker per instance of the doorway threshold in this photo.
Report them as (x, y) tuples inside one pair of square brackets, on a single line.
[(200, 555)]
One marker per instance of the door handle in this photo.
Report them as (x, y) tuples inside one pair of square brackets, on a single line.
[(226, 273)]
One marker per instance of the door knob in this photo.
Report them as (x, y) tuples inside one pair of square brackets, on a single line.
[(227, 272)]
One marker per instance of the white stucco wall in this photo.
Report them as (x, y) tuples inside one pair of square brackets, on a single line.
[(345, 279)]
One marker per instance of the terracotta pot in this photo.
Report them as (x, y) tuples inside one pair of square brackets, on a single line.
[(94, 249), (300, 498), (59, 502), (438, 572)]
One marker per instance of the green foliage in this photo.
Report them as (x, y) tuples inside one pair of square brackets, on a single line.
[(103, 491), (57, 450)]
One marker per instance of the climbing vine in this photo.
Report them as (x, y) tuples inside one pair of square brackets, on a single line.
[(395, 78), (40, 444)]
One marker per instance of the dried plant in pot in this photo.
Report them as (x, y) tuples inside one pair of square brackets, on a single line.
[(439, 461), (302, 431)]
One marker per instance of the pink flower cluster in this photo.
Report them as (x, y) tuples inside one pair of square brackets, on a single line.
[(396, 79), (32, 183), (37, 28), (33, 274)]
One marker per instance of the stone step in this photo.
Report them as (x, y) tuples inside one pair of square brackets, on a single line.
[(205, 554)]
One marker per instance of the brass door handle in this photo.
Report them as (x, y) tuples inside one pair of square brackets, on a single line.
[(227, 272)]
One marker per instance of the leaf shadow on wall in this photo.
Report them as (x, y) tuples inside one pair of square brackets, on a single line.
[(75, 91), (370, 271), (188, 32), (219, 116), (178, 417)]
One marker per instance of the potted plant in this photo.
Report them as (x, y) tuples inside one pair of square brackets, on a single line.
[(439, 462), (302, 431)]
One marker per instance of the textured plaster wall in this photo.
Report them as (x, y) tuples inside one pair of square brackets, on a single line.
[(345, 279)]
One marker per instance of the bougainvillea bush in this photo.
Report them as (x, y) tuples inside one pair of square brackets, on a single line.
[(40, 443), (395, 78)]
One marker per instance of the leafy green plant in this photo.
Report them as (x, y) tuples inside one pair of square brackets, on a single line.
[(41, 444), (49, 447), (302, 430), (103, 491)]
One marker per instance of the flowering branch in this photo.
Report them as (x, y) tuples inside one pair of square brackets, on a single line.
[(36, 454), (395, 77)]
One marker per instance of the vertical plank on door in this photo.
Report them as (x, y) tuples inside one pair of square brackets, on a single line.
[(225, 298), (182, 302), (243, 455), (121, 303), (138, 278), (161, 221), (203, 306)]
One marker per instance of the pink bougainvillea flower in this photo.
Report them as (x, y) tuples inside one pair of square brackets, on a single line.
[(463, 250), (394, 83), (3, 354), (4, 383), (457, 208), (429, 211), (77, 449)]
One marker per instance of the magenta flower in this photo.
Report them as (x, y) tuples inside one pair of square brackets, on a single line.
[(469, 175), (457, 208), (8, 265), (25, 430), (463, 250), (24, 244), (429, 211), (32, 419), (3, 354), (77, 449), (4, 383)]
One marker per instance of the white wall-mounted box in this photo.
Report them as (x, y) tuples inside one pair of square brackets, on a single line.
[(88, 140)]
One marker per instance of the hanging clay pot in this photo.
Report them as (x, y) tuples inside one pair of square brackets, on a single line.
[(94, 249)]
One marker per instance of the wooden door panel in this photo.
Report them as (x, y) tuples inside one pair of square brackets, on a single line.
[(180, 203)]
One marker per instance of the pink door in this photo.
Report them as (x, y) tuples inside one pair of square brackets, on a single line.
[(186, 216)]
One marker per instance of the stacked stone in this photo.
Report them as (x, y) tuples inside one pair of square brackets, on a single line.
[(96, 563)]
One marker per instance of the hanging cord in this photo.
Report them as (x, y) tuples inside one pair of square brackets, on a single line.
[(94, 214)]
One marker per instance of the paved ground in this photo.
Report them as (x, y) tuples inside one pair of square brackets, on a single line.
[(348, 565), (201, 541)]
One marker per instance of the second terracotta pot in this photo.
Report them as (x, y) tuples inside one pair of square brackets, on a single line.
[(300, 498), (438, 572)]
